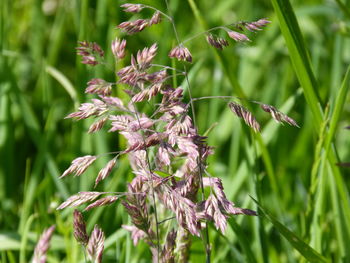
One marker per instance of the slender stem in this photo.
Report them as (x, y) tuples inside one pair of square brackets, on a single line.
[(225, 27), (121, 194), (189, 93), (152, 188), (84, 252), (155, 9), (185, 70), (206, 231), (167, 67), (214, 97), (196, 35), (202, 33), (226, 98), (167, 219), (206, 238), (136, 113), (155, 65)]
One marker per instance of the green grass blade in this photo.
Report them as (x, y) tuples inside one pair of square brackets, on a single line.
[(304, 249), (35, 133), (7, 142), (24, 239), (341, 224), (64, 81), (338, 109), (298, 55)]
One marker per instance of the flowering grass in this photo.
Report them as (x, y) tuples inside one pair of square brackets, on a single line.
[(301, 192)]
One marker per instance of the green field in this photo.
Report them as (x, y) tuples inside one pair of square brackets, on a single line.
[(296, 178)]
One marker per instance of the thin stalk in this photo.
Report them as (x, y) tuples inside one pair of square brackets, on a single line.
[(84, 252), (238, 89), (152, 188), (167, 67), (204, 32), (206, 232), (302, 67), (162, 13), (227, 98), (151, 185), (167, 219)]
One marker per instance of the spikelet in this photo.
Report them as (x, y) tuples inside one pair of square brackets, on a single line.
[(79, 165), (278, 116), (101, 202), (95, 246), (105, 171), (243, 113), (79, 228), (43, 245), (79, 199)]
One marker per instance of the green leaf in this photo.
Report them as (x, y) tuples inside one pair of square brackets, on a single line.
[(162, 174), (298, 55), (304, 249)]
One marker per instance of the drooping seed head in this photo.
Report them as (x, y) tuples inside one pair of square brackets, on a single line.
[(79, 165), (132, 8), (96, 245), (43, 245), (98, 125), (91, 52), (262, 22), (247, 116), (132, 27), (181, 53), (118, 48), (105, 171), (79, 199), (217, 42), (251, 27), (278, 116), (155, 19), (239, 37), (96, 108), (79, 228), (99, 86), (102, 202), (145, 57)]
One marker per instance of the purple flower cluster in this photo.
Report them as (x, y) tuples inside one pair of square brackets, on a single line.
[(90, 52), (167, 154)]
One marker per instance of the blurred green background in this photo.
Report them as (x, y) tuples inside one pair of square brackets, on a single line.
[(288, 170)]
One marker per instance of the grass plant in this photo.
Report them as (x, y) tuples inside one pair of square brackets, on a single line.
[(291, 176)]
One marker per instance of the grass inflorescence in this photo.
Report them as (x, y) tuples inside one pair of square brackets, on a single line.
[(176, 110)]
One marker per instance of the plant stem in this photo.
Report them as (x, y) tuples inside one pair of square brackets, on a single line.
[(206, 238)]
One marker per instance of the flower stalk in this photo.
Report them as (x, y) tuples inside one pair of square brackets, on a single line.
[(167, 154)]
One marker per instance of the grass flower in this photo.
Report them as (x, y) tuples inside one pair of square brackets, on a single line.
[(171, 178), (247, 116), (95, 245), (43, 245), (236, 36), (79, 228), (181, 53)]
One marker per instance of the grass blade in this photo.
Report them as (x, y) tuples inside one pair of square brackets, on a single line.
[(298, 55), (301, 63), (304, 249)]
